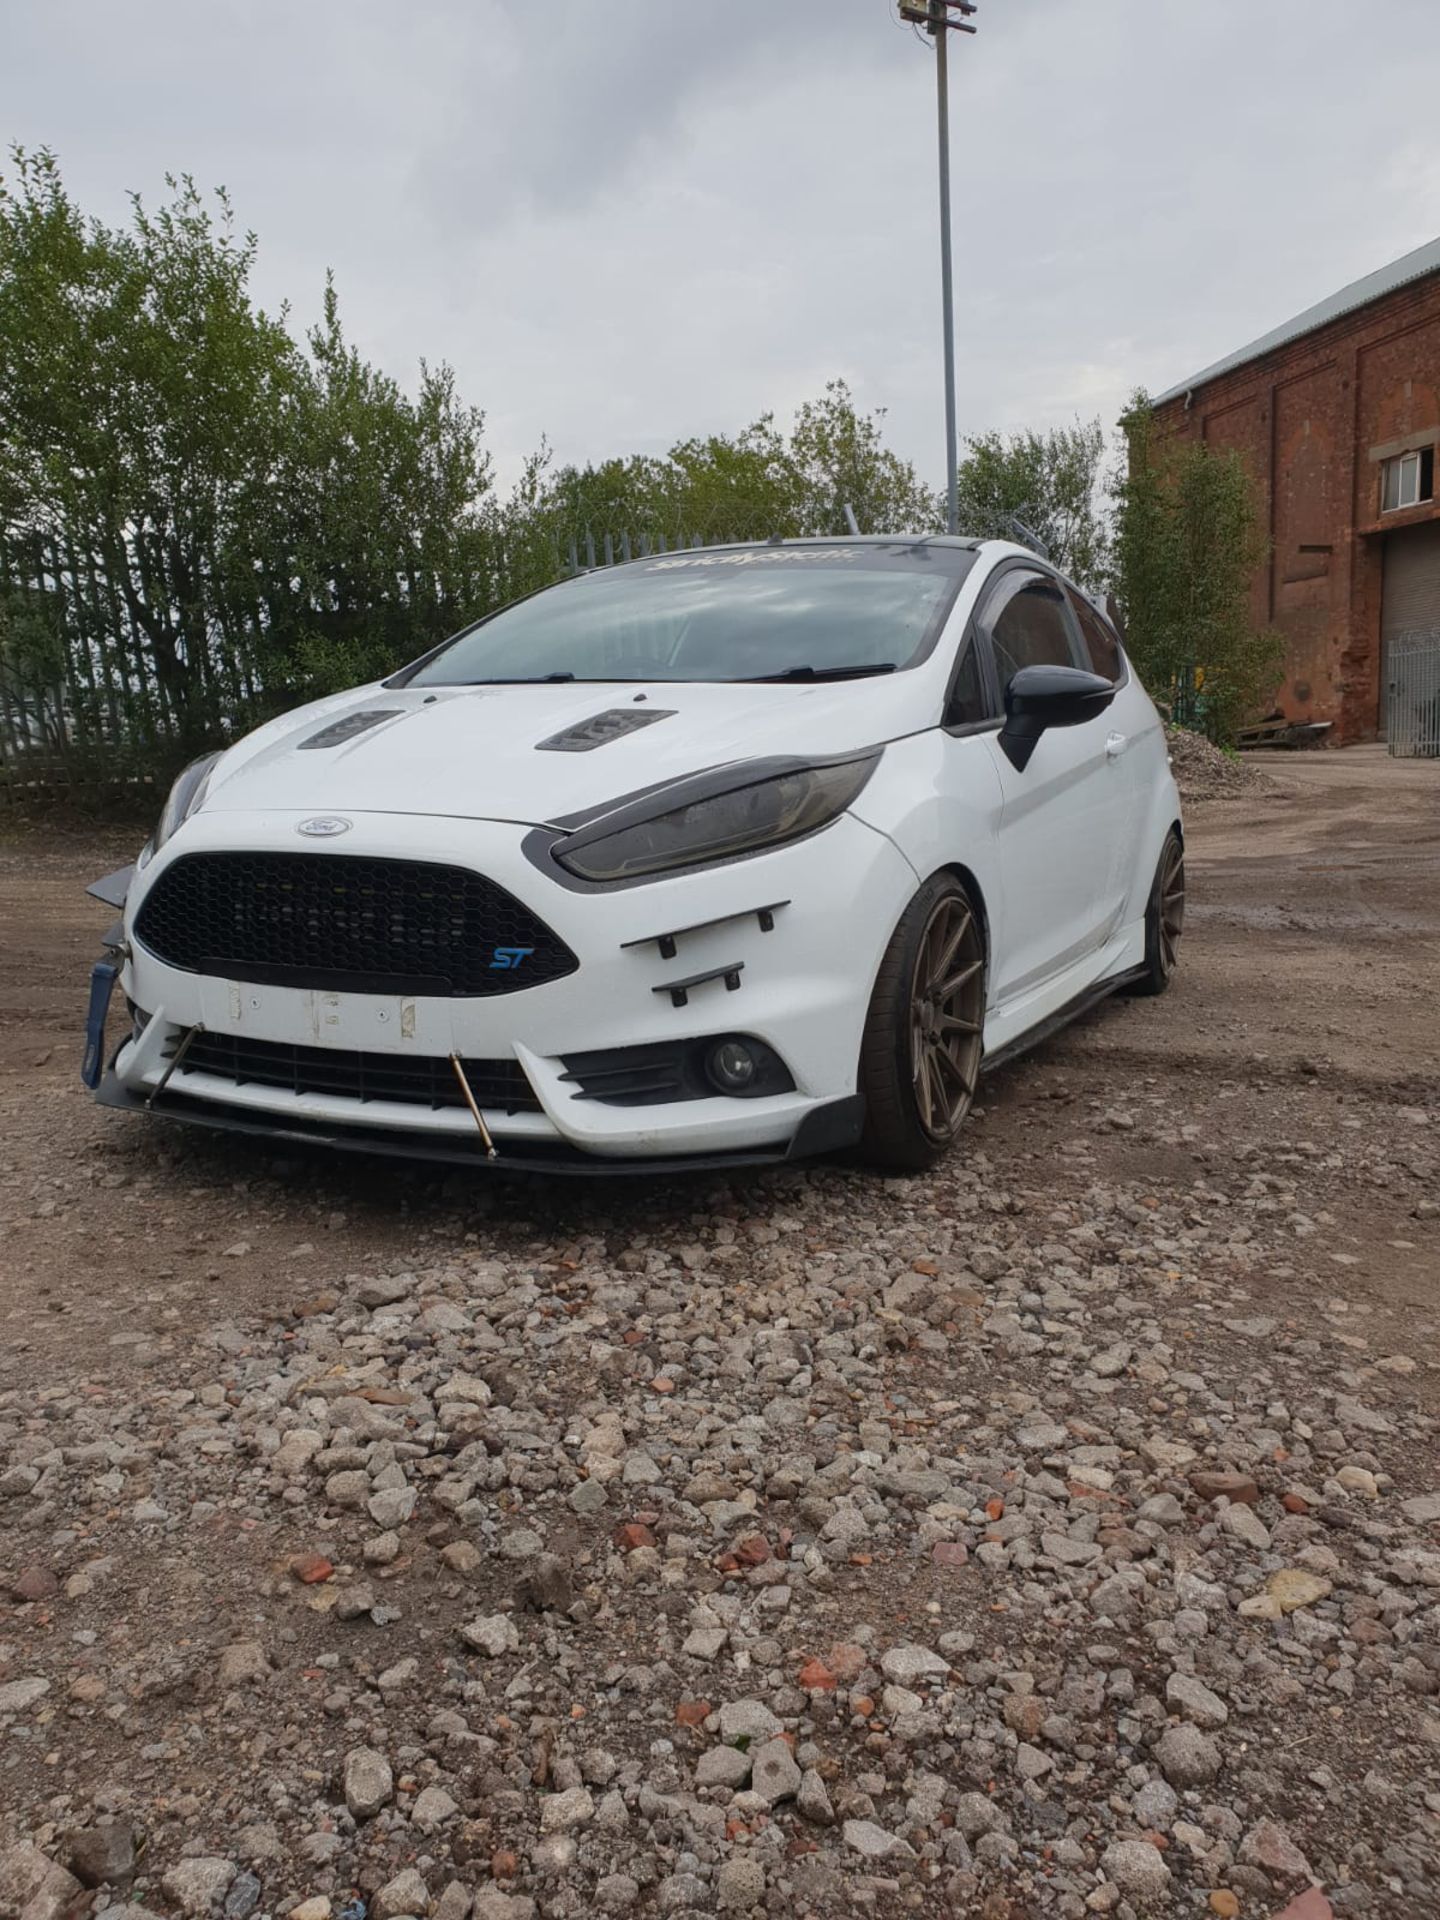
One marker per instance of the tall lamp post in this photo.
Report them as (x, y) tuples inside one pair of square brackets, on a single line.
[(941, 18)]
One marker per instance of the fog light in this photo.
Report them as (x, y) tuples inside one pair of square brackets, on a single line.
[(731, 1066)]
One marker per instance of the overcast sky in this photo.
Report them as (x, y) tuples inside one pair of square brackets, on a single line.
[(629, 221)]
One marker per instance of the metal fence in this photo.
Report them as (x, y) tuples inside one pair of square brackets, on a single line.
[(1413, 695), (84, 702)]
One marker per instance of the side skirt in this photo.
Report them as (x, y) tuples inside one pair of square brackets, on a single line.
[(1072, 1010)]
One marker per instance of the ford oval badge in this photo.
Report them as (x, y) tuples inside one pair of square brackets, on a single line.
[(324, 826)]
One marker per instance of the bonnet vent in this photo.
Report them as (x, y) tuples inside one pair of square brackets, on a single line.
[(339, 731), (601, 728)]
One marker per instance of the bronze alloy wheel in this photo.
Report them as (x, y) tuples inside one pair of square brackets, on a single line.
[(1164, 920), (947, 1009), (1170, 904), (920, 1052)]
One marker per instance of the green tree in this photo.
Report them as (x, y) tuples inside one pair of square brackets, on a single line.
[(753, 485), (227, 518), (1051, 484), (371, 534), (205, 518), (843, 461), (1188, 542), (139, 394), (35, 644), (631, 494), (746, 488)]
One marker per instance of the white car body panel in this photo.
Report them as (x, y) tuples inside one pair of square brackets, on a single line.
[(803, 991), (1061, 853), (1011, 873), (425, 761)]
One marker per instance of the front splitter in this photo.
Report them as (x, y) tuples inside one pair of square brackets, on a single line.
[(828, 1129)]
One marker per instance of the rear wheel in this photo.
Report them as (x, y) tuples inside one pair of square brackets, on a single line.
[(1164, 919), (920, 1056)]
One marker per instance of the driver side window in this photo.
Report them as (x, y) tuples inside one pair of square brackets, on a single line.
[(1101, 646), (1028, 625)]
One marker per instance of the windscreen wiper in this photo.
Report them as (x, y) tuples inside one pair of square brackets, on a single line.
[(525, 680), (826, 673)]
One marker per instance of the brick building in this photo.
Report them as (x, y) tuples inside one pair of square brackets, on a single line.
[(1337, 414)]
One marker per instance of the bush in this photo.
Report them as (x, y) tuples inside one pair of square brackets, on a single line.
[(1188, 544)]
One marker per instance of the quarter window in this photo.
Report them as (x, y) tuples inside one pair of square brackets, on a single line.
[(1100, 643), (1407, 481), (968, 703), (1028, 625)]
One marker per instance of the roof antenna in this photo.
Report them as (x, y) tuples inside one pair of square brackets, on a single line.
[(851, 522), (1027, 536)]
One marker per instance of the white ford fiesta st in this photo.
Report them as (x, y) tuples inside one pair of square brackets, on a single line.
[(722, 856)]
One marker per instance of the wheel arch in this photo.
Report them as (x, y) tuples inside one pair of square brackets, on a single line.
[(902, 1130), (968, 879)]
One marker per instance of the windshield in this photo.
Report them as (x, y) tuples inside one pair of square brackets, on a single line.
[(752, 613)]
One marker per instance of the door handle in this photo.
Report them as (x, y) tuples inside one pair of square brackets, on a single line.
[(1115, 745)]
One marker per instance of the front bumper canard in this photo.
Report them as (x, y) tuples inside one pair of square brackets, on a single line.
[(103, 976), (112, 891)]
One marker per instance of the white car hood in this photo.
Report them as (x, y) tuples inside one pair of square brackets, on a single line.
[(476, 753)]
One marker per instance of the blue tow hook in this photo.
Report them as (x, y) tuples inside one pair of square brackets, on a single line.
[(103, 976)]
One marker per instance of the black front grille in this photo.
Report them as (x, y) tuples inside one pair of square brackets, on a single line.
[(423, 1081), (344, 922)]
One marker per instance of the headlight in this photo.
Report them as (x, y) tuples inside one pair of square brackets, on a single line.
[(184, 797), (761, 807)]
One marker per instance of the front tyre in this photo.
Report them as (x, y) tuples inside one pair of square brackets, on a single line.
[(1164, 919), (920, 1055)]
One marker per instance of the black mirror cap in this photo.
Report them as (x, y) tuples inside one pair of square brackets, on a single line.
[(1038, 698)]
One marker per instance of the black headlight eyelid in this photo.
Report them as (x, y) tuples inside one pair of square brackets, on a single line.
[(716, 785)]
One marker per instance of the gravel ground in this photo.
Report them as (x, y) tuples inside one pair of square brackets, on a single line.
[(1058, 1534), (1203, 772)]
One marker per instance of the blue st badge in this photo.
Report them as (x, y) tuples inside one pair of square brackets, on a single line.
[(506, 959)]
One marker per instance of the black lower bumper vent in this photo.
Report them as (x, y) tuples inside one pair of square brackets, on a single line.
[(426, 1080), (655, 1074)]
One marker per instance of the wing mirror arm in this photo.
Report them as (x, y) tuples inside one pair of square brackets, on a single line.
[(1038, 698), (1018, 739)]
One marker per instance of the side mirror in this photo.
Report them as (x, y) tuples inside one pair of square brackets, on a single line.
[(1041, 697)]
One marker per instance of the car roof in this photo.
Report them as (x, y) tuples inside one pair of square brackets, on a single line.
[(994, 549), (988, 549), (935, 542), (842, 540)]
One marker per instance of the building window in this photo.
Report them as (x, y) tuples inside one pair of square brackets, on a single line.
[(1407, 481)]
